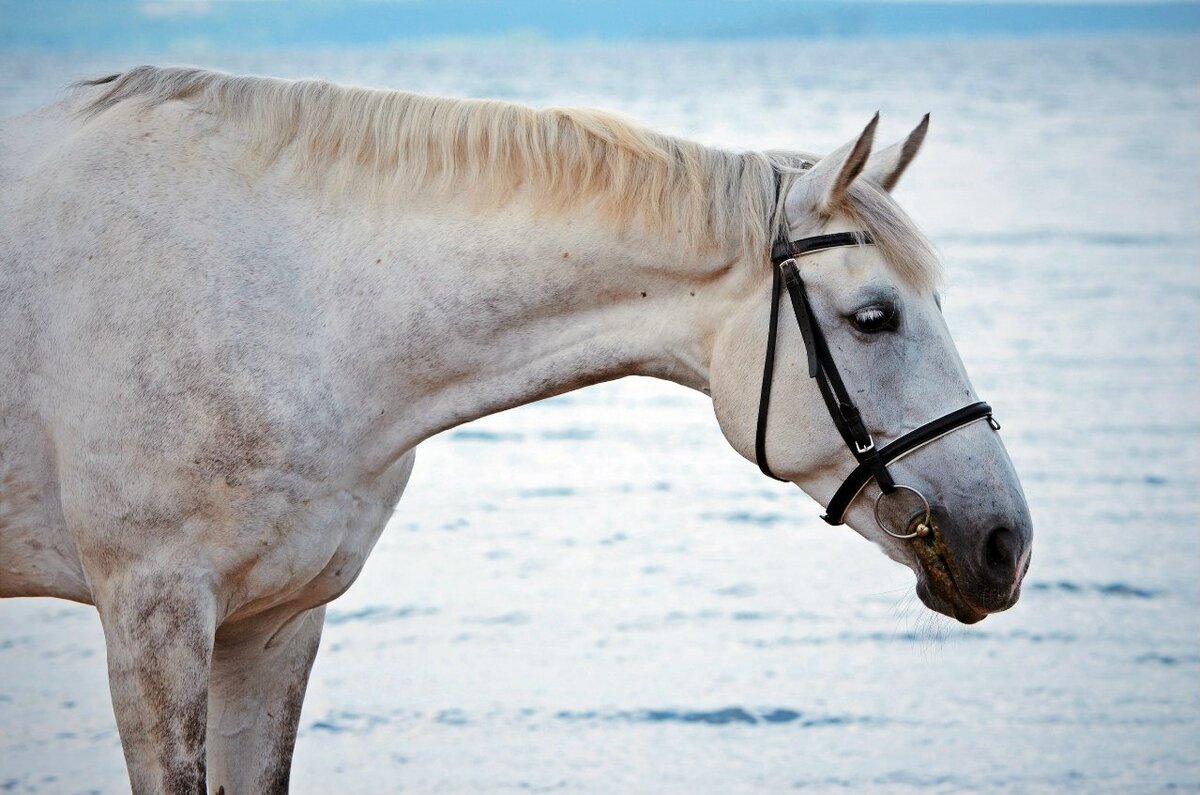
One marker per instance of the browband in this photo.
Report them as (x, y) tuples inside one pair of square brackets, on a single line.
[(785, 249)]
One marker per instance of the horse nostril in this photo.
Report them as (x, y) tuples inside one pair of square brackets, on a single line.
[(1000, 553)]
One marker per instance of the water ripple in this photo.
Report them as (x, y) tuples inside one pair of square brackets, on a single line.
[(477, 435), (376, 614), (716, 717), (1118, 589)]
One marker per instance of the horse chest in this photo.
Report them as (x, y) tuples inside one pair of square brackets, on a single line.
[(37, 553), (314, 552)]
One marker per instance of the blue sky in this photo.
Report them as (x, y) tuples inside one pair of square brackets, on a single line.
[(235, 24)]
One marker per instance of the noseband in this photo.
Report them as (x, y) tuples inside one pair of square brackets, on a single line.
[(872, 461)]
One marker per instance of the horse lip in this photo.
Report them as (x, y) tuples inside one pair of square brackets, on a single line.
[(937, 584)]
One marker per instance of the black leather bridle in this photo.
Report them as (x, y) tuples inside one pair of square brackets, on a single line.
[(872, 461)]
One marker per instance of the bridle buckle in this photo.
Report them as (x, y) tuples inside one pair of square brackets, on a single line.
[(863, 449)]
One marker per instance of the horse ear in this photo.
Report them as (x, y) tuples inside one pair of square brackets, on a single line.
[(830, 178), (887, 165)]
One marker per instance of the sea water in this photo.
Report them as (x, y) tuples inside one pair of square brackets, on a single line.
[(595, 594)]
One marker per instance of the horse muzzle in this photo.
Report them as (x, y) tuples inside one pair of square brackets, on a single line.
[(967, 574)]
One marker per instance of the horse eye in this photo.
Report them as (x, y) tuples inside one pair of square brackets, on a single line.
[(876, 318)]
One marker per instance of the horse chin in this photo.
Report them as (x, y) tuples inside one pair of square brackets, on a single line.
[(950, 603)]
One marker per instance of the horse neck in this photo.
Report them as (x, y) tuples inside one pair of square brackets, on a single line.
[(510, 308)]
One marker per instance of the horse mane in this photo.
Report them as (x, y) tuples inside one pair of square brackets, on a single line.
[(398, 143)]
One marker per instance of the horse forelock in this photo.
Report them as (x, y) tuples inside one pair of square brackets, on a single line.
[(903, 245), (868, 206), (388, 144)]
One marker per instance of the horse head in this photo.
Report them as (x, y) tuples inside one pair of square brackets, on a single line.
[(864, 402)]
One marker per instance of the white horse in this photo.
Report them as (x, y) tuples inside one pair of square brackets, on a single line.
[(232, 307)]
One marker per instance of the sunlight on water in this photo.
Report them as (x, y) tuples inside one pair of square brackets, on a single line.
[(595, 594)]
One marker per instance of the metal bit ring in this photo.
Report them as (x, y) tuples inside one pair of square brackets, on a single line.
[(923, 528)]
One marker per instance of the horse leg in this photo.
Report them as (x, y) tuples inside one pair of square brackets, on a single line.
[(158, 629), (259, 674)]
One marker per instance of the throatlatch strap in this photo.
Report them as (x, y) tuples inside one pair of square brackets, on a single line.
[(764, 398)]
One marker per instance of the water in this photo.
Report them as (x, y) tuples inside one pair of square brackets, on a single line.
[(594, 594)]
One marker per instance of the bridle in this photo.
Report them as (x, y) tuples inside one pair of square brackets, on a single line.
[(872, 461)]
